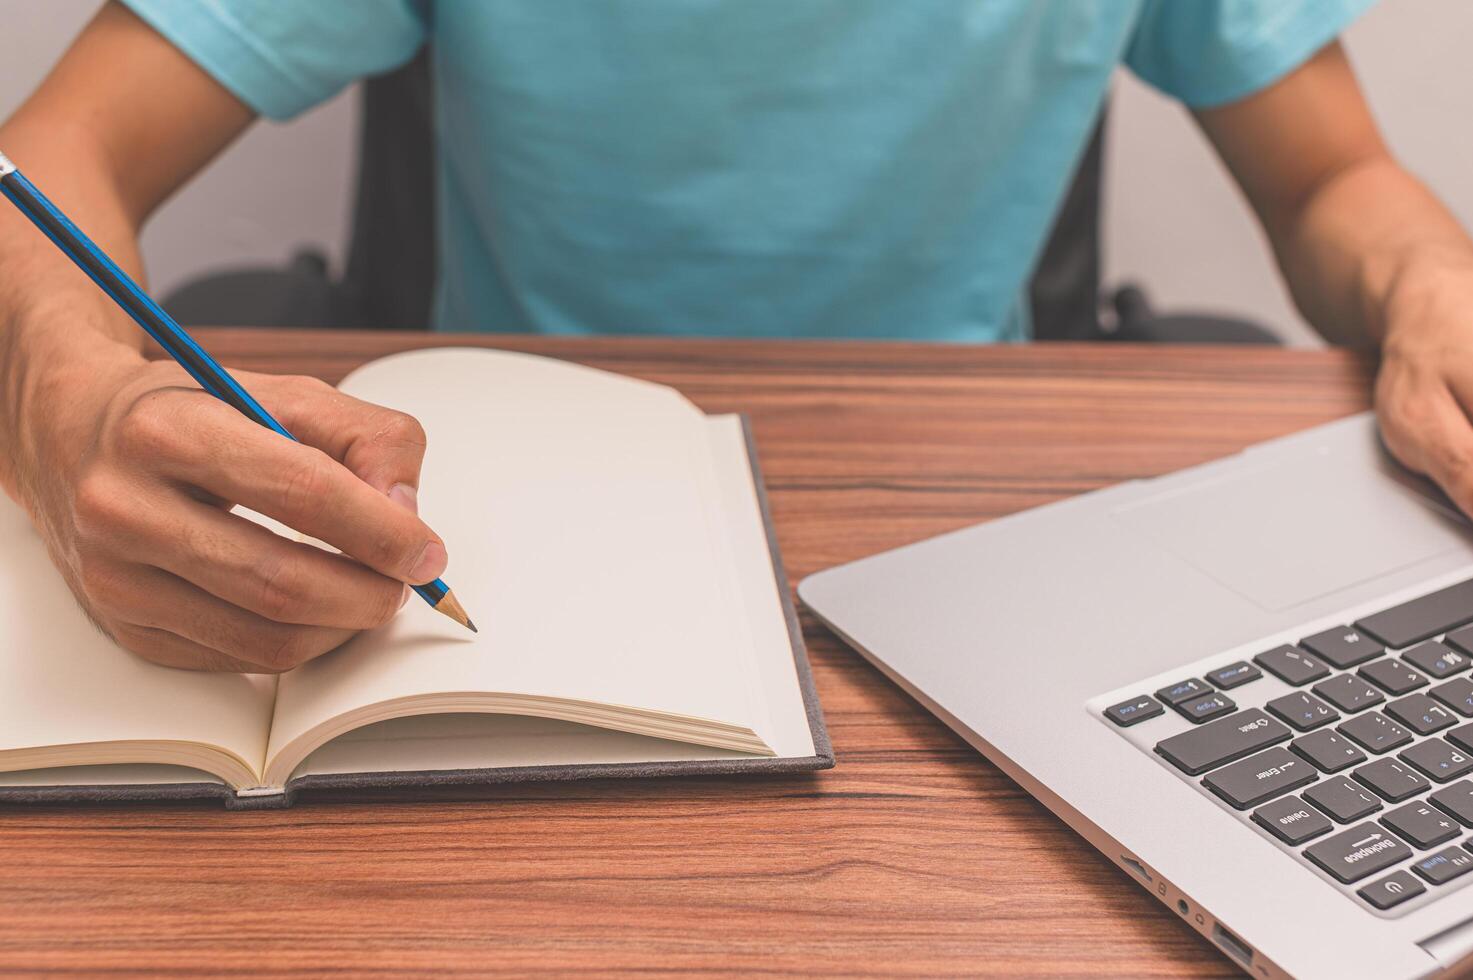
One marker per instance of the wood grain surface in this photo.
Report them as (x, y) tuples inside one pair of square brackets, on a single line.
[(913, 856)]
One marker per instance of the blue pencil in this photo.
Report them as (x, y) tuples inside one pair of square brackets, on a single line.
[(173, 338)]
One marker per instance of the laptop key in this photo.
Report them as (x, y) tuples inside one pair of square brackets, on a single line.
[(1422, 618), (1358, 852), (1421, 823), (1260, 777), (1375, 732), (1292, 821), (1394, 780), (1233, 675), (1392, 890), (1456, 694), (1421, 714), (1445, 865), (1302, 710), (1348, 693), (1437, 659), (1134, 711), (1174, 694), (1219, 742), (1461, 640), (1393, 676), (1438, 760), (1343, 646), (1205, 708), (1329, 750), (1342, 799), (1462, 737), (1456, 800), (1292, 665)]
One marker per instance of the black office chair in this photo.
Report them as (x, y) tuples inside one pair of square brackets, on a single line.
[(390, 274)]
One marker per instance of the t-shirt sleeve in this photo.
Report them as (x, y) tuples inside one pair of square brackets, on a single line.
[(284, 56), (1210, 52)]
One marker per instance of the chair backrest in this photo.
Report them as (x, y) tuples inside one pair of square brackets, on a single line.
[(389, 281), (390, 277), (1065, 288)]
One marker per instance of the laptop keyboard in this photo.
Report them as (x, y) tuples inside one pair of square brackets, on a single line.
[(1351, 748)]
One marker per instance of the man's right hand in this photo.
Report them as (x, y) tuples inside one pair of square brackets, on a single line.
[(130, 477), (127, 468)]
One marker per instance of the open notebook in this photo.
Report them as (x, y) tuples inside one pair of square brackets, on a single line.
[(613, 543)]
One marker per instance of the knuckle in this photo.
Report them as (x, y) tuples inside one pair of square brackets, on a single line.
[(310, 384), (404, 431), (149, 426), (304, 485), (99, 505), (394, 552), (384, 605), (281, 650), (142, 643), (278, 589), (104, 582)]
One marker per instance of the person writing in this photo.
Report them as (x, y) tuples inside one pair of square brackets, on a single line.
[(739, 167)]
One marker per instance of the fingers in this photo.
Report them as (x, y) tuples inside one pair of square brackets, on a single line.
[(251, 567), (144, 599), (383, 447), (1427, 428), (210, 446), (167, 650)]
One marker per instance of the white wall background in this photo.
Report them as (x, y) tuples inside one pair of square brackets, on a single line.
[(1172, 222), (279, 186)]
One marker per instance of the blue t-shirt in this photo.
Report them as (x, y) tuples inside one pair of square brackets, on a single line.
[(794, 168)]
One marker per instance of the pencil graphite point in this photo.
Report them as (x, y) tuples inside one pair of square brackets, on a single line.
[(6, 167), (450, 606)]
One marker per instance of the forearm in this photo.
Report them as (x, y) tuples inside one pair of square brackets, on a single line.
[(108, 144), (1370, 244), (56, 327)]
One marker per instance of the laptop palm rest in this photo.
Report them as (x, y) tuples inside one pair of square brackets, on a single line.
[(1285, 531)]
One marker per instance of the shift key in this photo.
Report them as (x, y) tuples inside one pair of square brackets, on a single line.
[(1224, 740), (1260, 777)]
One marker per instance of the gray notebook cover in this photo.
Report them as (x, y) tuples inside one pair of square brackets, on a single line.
[(404, 785)]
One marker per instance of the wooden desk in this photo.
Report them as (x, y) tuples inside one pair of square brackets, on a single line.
[(913, 856)]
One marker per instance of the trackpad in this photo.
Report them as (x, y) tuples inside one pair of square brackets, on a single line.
[(1285, 532)]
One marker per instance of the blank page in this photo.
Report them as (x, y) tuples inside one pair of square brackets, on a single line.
[(65, 683), (577, 507)]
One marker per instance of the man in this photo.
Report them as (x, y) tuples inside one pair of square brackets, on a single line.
[(762, 167)]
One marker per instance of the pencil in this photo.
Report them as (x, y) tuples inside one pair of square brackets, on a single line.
[(173, 338)]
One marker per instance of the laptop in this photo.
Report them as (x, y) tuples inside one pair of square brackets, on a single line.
[(1249, 684)]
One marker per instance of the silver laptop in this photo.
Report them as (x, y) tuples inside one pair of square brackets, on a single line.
[(1249, 684)]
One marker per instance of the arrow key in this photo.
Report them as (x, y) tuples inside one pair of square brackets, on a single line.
[(1134, 711)]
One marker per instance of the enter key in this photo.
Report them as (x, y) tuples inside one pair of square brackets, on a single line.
[(1260, 777)]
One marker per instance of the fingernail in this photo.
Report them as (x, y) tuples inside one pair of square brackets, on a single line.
[(431, 563), (405, 496)]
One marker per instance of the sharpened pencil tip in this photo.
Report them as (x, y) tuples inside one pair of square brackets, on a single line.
[(451, 607)]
